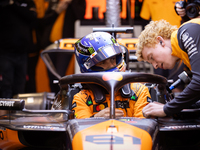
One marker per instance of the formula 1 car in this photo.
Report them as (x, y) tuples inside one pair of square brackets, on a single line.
[(58, 129)]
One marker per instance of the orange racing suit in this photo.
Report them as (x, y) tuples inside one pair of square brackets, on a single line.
[(84, 104), (185, 44)]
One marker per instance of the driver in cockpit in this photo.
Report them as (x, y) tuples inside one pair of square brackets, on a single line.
[(100, 52)]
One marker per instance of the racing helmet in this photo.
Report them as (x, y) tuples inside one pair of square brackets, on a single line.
[(97, 47)]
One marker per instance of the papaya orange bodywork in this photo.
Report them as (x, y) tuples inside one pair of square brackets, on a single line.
[(112, 134), (9, 140)]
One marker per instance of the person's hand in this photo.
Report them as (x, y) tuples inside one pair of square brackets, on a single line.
[(154, 109), (62, 5), (106, 113), (181, 11)]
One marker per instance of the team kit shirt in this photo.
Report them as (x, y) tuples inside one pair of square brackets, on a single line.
[(186, 45), (84, 104), (160, 9)]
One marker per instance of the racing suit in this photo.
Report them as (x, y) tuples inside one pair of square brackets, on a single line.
[(185, 44), (84, 104)]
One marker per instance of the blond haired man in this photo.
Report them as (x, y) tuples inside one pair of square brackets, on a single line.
[(162, 45)]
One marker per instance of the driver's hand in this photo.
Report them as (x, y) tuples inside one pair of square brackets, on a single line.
[(154, 109), (106, 113), (181, 11)]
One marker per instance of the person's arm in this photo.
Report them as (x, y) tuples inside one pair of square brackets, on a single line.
[(26, 12), (78, 8), (49, 17), (188, 41), (52, 14), (143, 99), (79, 106), (62, 5)]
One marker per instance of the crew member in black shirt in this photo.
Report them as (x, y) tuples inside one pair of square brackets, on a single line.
[(17, 19)]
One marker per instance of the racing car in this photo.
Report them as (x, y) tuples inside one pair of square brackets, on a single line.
[(57, 128)]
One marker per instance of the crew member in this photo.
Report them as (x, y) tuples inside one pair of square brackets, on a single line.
[(162, 45)]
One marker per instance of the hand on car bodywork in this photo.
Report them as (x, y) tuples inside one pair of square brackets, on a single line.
[(154, 109), (106, 113)]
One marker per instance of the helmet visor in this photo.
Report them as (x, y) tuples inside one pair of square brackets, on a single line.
[(102, 54)]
